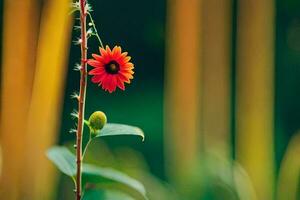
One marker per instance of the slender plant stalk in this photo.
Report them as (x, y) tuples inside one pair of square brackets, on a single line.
[(82, 94), (95, 29)]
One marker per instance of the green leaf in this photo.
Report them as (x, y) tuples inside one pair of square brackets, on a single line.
[(112, 129), (105, 195), (66, 163), (93, 174), (64, 160)]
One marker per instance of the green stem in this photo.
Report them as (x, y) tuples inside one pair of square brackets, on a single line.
[(86, 147), (95, 29)]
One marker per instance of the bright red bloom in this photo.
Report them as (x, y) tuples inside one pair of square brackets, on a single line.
[(111, 69)]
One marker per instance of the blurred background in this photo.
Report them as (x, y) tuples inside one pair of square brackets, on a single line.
[(216, 91)]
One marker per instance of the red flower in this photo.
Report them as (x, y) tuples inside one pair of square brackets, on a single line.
[(111, 69)]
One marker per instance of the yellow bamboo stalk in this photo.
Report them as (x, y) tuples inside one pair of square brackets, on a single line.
[(46, 102), (182, 85), (216, 75), (288, 180), (19, 44), (255, 93)]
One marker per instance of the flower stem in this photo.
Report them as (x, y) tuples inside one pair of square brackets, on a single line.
[(81, 102), (86, 147), (95, 29)]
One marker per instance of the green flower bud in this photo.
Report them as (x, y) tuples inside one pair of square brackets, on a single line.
[(97, 121)]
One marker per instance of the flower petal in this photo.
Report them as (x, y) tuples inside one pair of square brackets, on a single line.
[(96, 78), (97, 71), (124, 78), (127, 59), (109, 83), (120, 83), (124, 54), (128, 65), (116, 52), (103, 52), (98, 58), (108, 50), (94, 63)]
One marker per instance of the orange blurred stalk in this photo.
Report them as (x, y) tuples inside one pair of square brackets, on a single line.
[(255, 93), (216, 76), (182, 86), (19, 44), (47, 98)]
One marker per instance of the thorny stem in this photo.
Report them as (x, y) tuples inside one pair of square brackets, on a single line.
[(81, 102)]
